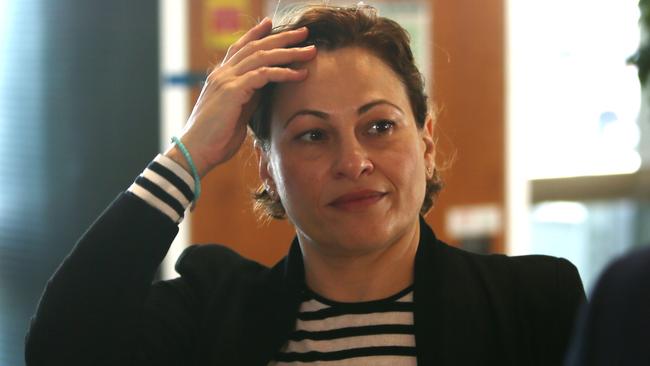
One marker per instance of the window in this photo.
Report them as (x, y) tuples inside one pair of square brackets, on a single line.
[(573, 121)]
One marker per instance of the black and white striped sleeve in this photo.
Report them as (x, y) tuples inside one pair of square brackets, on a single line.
[(165, 185)]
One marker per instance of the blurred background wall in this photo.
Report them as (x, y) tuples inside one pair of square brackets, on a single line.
[(541, 145), (78, 121)]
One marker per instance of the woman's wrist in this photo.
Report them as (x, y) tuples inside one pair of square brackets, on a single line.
[(174, 153)]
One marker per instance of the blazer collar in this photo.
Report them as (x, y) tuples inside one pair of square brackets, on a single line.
[(284, 292)]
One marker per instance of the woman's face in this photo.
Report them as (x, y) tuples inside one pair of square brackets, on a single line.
[(346, 157)]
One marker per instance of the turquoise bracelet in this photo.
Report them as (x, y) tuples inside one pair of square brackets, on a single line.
[(190, 162)]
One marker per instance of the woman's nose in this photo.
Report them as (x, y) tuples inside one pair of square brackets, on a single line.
[(352, 160)]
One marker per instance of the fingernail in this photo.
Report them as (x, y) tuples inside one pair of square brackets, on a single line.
[(265, 20)]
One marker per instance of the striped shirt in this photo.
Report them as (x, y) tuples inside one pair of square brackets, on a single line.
[(331, 333), (165, 185)]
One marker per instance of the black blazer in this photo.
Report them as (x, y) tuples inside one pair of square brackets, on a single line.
[(99, 307), (615, 328)]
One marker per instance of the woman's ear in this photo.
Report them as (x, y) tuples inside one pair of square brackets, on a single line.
[(265, 168), (429, 143)]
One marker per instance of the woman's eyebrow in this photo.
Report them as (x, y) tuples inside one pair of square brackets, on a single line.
[(368, 106), (322, 115), (308, 112)]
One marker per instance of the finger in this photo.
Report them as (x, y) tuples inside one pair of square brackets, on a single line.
[(258, 31), (279, 40), (278, 56), (258, 78)]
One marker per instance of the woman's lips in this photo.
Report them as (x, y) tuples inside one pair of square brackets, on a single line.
[(357, 200)]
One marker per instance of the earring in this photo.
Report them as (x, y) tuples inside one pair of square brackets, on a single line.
[(429, 172), (270, 191)]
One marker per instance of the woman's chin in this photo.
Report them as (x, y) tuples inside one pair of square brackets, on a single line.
[(356, 240), (358, 231)]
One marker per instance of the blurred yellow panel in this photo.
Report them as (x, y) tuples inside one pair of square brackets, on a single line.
[(224, 21)]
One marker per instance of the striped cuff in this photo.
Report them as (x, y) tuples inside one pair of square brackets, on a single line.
[(165, 185)]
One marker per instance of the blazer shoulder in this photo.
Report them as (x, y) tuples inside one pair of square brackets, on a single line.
[(534, 270), (545, 294), (530, 301), (539, 281), (543, 269), (534, 276), (541, 275), (207, 267)]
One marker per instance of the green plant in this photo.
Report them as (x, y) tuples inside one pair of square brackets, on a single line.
[(641, 58)]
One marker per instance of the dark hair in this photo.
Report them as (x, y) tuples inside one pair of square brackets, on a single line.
[(331, 28)]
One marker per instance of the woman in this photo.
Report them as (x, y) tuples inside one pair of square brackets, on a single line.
[(346, 153)]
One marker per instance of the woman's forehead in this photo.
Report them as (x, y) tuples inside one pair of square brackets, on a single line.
[(340, 81)]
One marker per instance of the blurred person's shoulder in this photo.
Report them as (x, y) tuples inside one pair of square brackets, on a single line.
[(631, 272), (622, 294), (615, 326)]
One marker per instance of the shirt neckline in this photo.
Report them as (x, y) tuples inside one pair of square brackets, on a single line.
[(309, 294)]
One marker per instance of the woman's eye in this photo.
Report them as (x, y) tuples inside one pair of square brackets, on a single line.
[(312, 136), (381, 127)]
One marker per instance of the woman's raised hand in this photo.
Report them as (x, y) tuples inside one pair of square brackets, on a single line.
[(216, 128)]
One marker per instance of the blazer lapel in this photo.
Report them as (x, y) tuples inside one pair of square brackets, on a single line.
[(273, 308), (428, 297)]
